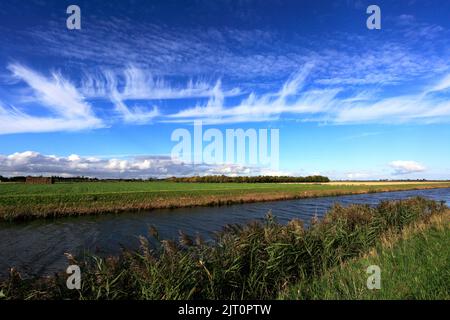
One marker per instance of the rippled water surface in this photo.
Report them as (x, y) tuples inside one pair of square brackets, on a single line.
[(38, 247)]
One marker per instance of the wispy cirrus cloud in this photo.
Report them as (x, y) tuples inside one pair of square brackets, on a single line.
[(134, 101), (67, 109), (70, 107), (338, 82), (325, 104), (137, 84), (172, 51), (56, 92), (289, 99), (135, 114)]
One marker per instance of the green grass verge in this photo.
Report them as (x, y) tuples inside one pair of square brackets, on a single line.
[(21, 201), (415, 267)]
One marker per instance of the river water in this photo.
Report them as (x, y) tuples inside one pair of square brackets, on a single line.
[(38, 247)]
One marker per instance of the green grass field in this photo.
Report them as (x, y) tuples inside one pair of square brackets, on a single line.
[(22, 201)]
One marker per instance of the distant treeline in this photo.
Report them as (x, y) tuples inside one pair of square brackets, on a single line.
[(253, 179), (13, 179), (71, 179)]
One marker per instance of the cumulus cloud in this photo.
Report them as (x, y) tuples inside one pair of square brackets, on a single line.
[(406, 167), (34, 163)]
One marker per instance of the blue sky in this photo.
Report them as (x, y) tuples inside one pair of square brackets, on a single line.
[(349, 102)]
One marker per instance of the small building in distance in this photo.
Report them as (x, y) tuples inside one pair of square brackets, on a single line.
[(39, 180)]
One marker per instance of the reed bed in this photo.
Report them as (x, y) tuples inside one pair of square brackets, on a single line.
[(253, 261)]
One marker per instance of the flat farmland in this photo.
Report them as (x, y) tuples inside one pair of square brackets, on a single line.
[(22, 201)]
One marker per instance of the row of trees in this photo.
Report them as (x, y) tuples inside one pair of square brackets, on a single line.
[(69, 179), (253, 179), (13, 179)]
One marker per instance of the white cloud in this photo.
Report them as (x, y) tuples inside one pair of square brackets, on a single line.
[(56, 93), (14, 121), (358, 176), (322, 105), (67, 109), (253, 55), (135, 83), (406, 19), (136, 114), (406, 167), (258, 60), (269, 106), (138, 84), (34, 163), (443, 85)]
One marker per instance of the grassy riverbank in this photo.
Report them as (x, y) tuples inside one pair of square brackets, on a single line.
[(22, 201), (414, 265), (264, 260)]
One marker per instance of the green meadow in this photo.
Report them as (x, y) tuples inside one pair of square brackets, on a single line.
[(23, 201)]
